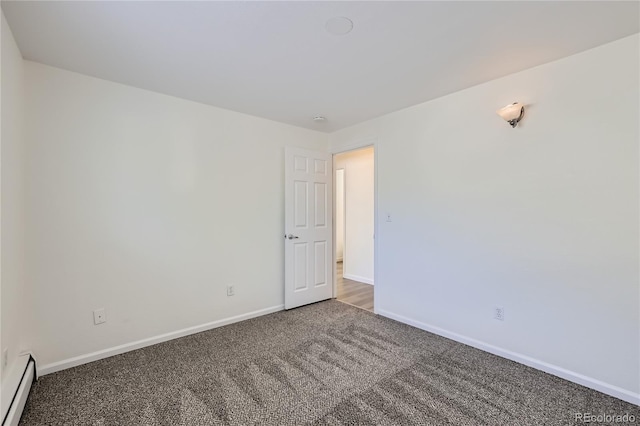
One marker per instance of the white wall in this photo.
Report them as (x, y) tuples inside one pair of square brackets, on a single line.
[(148, 206), (359, 208), (339, 222), (12, 200), (541, 220)]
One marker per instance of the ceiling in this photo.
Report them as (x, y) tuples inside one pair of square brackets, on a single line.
[(276, 60)]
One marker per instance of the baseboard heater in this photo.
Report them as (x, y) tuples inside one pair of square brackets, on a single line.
[(15, 407)]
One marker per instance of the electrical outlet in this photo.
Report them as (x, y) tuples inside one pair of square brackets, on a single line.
[(388, 217), (498, 313), (5, 358), (99, 316), (231, 290)]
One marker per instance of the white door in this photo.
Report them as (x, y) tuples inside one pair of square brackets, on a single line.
[(308, 228)]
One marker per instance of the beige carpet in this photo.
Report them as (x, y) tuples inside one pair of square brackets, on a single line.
[(324, 364)]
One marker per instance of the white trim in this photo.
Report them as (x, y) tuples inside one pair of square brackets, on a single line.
[(563, 373), (21, 396), (376, 227), (117, 350), (344, 223), (12, 383), (354, 146), (334, 247), (357, 278)]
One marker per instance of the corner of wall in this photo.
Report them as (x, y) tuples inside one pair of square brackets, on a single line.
[(12, 148)]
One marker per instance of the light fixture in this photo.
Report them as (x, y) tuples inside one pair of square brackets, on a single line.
[(319, 119), (512, 113), (339, 26)]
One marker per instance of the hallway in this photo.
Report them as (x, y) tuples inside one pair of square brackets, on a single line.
[(353, 292)]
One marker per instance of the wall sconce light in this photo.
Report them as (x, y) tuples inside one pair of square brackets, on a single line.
[(512, 113)]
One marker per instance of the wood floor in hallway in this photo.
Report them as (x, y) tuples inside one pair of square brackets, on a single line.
[(353, 292)]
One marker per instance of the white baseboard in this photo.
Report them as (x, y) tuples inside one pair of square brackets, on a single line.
[(563, 373), (358, 278), (117, 350), (16, 390)]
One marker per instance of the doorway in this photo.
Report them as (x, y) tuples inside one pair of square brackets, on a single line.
[(354, 227)]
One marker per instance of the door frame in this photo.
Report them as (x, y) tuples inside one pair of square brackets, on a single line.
[(344, 208), (355, 146)]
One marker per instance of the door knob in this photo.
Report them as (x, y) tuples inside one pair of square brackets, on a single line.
[(291, 236)]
